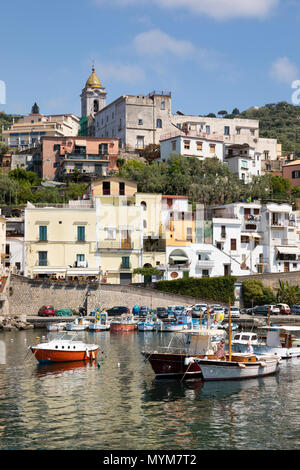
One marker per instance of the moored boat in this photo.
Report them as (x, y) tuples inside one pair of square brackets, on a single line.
[(174, 361), (124, 323), (147, 325), (235, 366), (280, 341), (64, 349), (56, 326), (79, 324), (101, 323)]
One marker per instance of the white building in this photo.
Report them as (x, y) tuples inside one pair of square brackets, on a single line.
[(243, 161), (194, 145), (138, 121)]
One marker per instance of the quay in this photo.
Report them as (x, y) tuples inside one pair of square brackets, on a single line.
[(245, 322)]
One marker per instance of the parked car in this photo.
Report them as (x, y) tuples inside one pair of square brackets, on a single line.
[(264, 310), (284, 309), (295, 309), (47, 311), (234, 312), (117, 311), (218, 309), (162, 312), (144, 311)]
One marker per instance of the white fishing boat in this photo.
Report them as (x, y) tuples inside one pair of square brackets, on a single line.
[(170, 327), (56, 326), (235, 366), (280, 341), (148, 324), (79, 324), (101, 322), (241, 340)]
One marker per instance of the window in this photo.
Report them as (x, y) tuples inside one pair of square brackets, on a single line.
[(43, 233), (110, 234), (187, 144), (80, 233), (96, 106), (223, 231), (199, 146), (295, 174), (79, 257), (174, 145), (207, 129), (121, 189), (140, 142), (226, 130), (205, 273), (233, 244), (56, 147), (106, 188), (125, 262), (212, 148), (43, 258), (103, 149), (163, 105), (266, 155), (140, 121), (159, 123)]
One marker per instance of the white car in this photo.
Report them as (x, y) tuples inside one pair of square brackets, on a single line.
[(273, 309), (234, 312)]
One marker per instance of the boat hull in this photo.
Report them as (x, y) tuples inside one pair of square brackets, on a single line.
[(50, 355), (283, 353), (231, 370), (168, 366), (119, 327)]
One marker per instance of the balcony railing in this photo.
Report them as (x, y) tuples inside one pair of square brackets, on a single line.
[(205, 264), (114, 245)]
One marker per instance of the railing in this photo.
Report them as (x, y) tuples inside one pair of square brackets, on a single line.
[(205, 264), (114, 245)]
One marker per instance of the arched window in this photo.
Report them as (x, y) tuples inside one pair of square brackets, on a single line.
[(144, 205), (96, 106), (159, 123)]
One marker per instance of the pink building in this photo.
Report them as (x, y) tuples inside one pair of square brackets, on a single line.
[(91, 156), (292, 172)]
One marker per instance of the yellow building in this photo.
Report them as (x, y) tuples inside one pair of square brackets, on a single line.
[(60, 241)]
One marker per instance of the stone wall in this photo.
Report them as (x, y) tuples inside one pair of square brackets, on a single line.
[(272, 279), (27, 296)]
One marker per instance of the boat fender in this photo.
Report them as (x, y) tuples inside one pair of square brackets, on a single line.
[(241, 364), (188, 360), (87, 353), (263, 364)]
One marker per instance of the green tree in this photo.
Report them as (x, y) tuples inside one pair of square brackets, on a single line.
[(35, 109), (287, 293), (255, 293)]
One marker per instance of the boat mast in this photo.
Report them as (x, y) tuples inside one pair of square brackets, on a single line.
[(229, 329)]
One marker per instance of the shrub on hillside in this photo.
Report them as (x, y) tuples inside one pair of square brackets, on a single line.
[(255, 293), (217, 289)]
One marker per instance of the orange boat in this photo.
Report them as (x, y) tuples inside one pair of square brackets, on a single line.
[(125, 323), (64, 349)]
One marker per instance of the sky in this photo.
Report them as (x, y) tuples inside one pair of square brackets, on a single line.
[(211, 55)]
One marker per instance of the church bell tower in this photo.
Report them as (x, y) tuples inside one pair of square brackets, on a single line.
[(93, 96)]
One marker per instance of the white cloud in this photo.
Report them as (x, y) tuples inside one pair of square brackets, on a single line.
[(283, 70), (218, 9), (156, 42), (119, 72)]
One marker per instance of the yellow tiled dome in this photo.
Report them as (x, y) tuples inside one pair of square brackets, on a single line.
[(93, 80)]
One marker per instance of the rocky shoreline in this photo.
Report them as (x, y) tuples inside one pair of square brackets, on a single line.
[(15, 322)]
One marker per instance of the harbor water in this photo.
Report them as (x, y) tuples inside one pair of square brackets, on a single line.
[(115, 403)]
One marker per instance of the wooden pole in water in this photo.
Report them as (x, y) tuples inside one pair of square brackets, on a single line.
[(229, 328), (269, 316)]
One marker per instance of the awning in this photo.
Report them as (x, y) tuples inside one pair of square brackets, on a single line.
[(48, 270), (82, 272), (179, 258), (288, 250)]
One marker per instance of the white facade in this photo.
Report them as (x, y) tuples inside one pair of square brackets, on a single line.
[(243, 161), (199, 146)]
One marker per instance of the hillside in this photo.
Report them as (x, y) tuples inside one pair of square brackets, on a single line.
[(278, 120)]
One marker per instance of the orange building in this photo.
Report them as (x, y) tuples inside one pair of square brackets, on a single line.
[(90, 156)]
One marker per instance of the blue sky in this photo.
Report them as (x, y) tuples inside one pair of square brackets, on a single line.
[(211, 54)]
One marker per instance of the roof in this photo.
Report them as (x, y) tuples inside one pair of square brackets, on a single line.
[(294, 162), (175, 197), (93, 81)]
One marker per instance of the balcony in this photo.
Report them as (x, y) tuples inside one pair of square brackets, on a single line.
[(205, 264), (114, 245)]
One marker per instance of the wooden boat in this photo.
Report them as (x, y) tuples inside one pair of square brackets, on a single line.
[(64, 349), (236, 366), (124, 323), (280, 341), (79, 324), (101, 323), (174, 361)]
